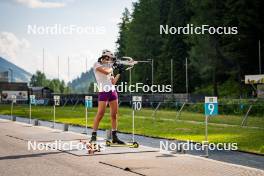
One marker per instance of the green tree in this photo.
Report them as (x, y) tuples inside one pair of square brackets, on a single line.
[(91, 87), (38, 79), (62, 86), (215, 61), (174, 47), (143, 38), (206, 52), (55, 85), (122, 39), (242, 49), (123, 29)]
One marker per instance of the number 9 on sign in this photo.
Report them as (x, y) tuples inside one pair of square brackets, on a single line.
[(211, 108)]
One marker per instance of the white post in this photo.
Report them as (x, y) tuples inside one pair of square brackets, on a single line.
[(130, 77), (54, 113), (210, 109), (171, 75), (136, 105), (68, 73), (206, 136), (86, 121), (85, 64), (152, 71), (187, 86), (58, 68), (12, 110), (43, 71), (133, 125), (68, 69), (29, 112)]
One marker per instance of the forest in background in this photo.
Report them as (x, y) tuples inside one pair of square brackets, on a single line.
[(82, 84), (216, 63)]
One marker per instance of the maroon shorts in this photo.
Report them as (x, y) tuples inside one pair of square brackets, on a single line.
[(107, 96)]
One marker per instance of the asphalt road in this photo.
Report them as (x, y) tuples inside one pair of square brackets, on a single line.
[(16, 159)]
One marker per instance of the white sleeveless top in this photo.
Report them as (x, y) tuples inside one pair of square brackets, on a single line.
[(104, 82)]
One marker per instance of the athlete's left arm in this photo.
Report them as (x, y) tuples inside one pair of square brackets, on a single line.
[(115, 79)]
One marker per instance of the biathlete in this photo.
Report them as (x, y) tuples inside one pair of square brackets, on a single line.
[(103, 71)]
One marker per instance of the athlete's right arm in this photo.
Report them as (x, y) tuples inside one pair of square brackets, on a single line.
[(104, 70)]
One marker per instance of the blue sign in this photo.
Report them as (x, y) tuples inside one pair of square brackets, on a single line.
[(211, 106), (42, 102), (88, 101)]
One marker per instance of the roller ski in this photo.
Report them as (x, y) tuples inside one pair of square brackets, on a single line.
[(116, 142), (125, 144)]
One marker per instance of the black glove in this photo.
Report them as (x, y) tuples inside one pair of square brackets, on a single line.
[(114, 66), (120, 68)]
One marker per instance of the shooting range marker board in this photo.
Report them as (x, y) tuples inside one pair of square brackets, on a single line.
[(211, 106), (137, 102), (88, 101), (56, 99)]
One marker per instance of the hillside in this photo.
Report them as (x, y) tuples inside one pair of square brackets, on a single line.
[(82, 83)]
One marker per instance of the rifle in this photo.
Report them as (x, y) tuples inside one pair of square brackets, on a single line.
[(127, 62)]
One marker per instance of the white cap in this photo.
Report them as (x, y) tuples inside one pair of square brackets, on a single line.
[(107, 53)]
